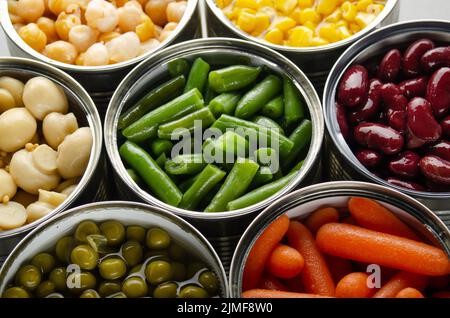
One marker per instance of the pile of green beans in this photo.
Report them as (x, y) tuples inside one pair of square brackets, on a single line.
[(109, 260), (238, 101)]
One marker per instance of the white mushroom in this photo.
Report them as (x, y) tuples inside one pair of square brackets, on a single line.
[(66, 184), (68, 191), (51, 197), (44, 158), (12, 215), (15, 87), (27, 176), (6, 100), (8, 188), (17, 128), (38, 210), (74, 152), (41, 97), (56, 127)]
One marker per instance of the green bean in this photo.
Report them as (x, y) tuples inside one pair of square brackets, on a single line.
[(210, 94), (294, 110), (235, 185), (134, 176), (265, 156), (177, 127), (178, 67), (161, 160), (275, 108), (263, 176), (301, 137), (155, 178), (147, 127), (225, 103), (185, 164), (198, 75), (252, 102), (153, 99), (228, 146), (269, 123), (233, 77), (204, 183), (160, 146)]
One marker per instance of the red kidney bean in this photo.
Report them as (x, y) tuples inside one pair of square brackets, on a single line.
[(436, 169), (421, 125), (441, 149), (406, 165), (393, 97), (436, 58), (368, 158), (438, 91), (372, 105), (413, 55), (354, 86), (379, 137), (415, 87), (342, 121), (390, 66), (445, 124), (405, 184), (397, 119)]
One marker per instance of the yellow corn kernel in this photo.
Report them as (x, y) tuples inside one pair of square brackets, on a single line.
[(326, 7), (336, 16), (33, 36), (108, 36), (364, 19), (296, 14), (232, 13), (246, 22), (375, 8), (363, 4), (145, 30), (262, 24), (247, 4), (300, 36), (342, 23), (285, 24), (286, 6), (349, 11), (64, 23), (305, 3), (318, 41), (354, 27), (344, 32), (311, 25), (266, 3), (309, 14), (275, 36), (329, 32), (223, 3)]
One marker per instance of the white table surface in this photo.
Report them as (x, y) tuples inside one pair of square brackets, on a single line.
[(409, 10)]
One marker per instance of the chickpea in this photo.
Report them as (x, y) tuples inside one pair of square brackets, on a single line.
[(124, 47), (38, 210), (12, 215), (25, 198), (17, 128), (6, 100), (82, 37), (156, 10), (101, 15), (61, 51), (96, 55), (33, 36), (149, 46), (8, 188), (64, 23), (18, 26), (175, 11), (53, 198), (30, 10), (74, 153), (27, 176), (167, 31), (56, 127), (47, 26), (129, 18), (41, 97), (15, 87), (58, 6)]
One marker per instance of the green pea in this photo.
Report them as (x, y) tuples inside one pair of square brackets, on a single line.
[(44, 261), (108, 288), (132, 252), (85, 229), (176, 252), (45, 288), (58, 278), (135, 287), (158, 272), (136, 233), (179, 271), (78, 282), (63, 248), (193, 292), (15, 292), (157, 239), (112, 268), (98, 242), (29, 277), (90, 293), (166, 290), (85, 257), (209, 282), (194, 268), (114, 232)]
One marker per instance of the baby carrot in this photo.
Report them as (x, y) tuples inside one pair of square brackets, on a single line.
[(264, 293), (320, 217), (339, 267), (409, 292), (401, 281), (316, 276), (374, 216), (285, 262), (261, 250), (272, 283), (354, 285), (363, 245)]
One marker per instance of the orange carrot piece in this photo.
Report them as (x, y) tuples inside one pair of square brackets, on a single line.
[(399, 282), (409, 292), (264, 293), (373, 216), (354, 285), (442, 294), (285, 262), (261, 250), (316, 276), (270, 282), (339, 267), (363, 245), (321, 217)]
